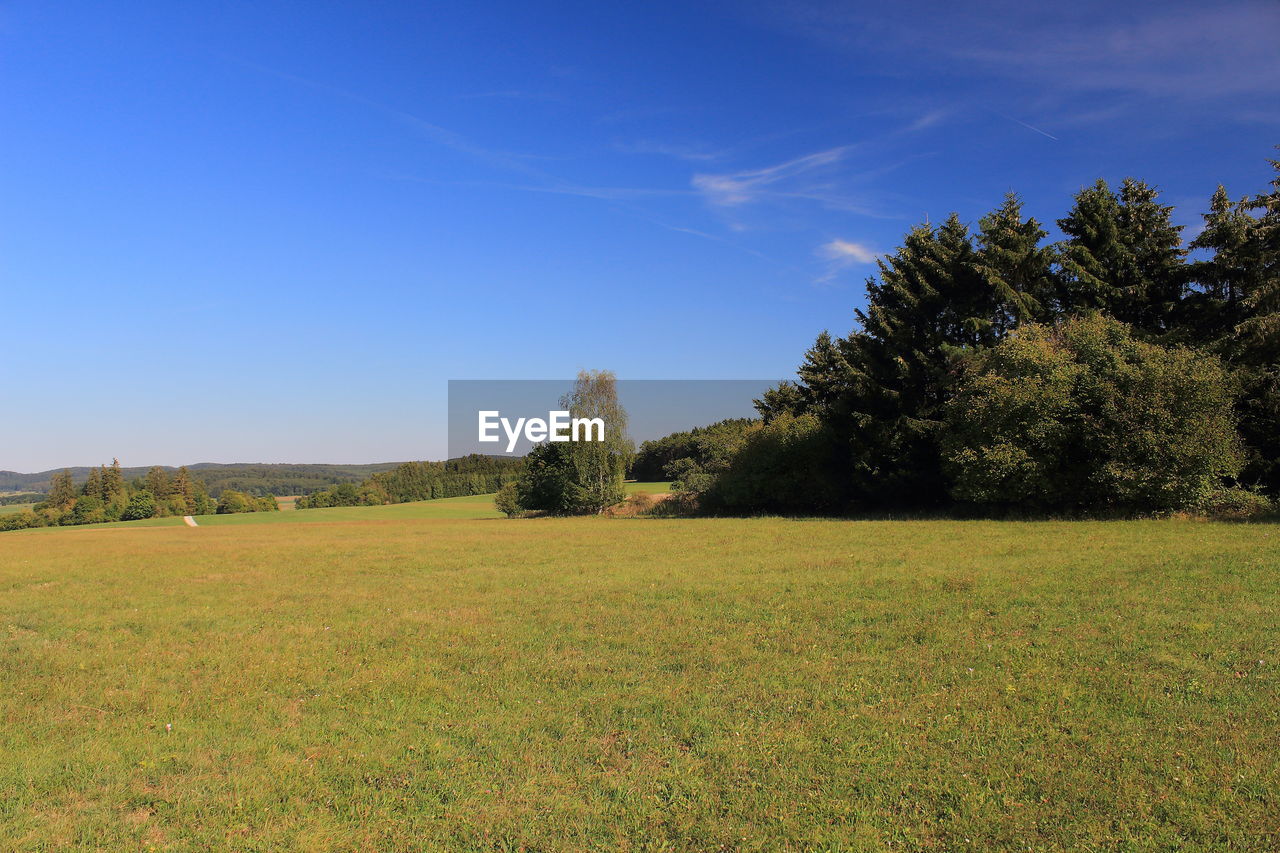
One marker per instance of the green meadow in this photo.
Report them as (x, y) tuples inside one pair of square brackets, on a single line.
[(432, 677)]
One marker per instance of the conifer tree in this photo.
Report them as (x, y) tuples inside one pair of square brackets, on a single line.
[(113, 488), (62, 490), (1015, 266), (158, 482), (1124, 256), (1217, 306), (93, 485)]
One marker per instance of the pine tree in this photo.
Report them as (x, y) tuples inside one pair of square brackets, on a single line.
[(1124, 256), (1015, 266), (93, 485), (113, 488), (881, 389), (158, 482), (62, 490), (1217, 305)]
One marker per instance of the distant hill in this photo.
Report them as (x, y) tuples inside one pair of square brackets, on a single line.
[(255, 478)]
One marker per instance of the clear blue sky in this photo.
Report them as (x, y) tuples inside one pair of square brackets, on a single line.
[(272, 231)]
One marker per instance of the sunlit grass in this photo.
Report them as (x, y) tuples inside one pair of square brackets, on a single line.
[(381, 682)]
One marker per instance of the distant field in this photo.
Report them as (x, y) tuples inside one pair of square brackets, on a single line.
[(15, 507), (422, 677)]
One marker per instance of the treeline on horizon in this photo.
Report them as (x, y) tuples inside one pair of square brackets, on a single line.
[(107, 495), (474, 474), (1108, 373), (256, 479)]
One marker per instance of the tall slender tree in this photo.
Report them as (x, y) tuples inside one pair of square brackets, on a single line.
[(1013, 263)]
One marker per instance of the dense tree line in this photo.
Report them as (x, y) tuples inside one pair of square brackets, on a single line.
[(251, 478), (1112, 371), (106, 495), (475, 474)]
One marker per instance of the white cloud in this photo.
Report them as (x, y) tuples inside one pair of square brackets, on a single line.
[(846, 252), (739, 188), (842, 254)]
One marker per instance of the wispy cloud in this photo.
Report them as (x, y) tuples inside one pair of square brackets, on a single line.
[(693, 153), (846, 252), (842, 254), (739, 188), (1182, 49)]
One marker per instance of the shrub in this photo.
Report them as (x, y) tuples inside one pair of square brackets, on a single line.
[(1236, 504), (782, 466), (1085, 418), (507, 500), (141, 505)]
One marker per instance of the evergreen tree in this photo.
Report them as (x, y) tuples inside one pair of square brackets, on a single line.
[(1124, 256), (158, 482), (1217, 305), (882, 395), (113, 487), (1014, 265), (62, 491), (93, 486)]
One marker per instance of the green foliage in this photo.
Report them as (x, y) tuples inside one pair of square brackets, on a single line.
[(232, 501), (599, 467), (421, 481), (62, 494), (690, 457), (507, 500), (547, 482), (1123, 255), (141, 505), (580, 477), (1085, 418), (781, 466)]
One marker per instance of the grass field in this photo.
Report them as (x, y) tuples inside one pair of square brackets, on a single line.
[(424, 678), (4, 508)]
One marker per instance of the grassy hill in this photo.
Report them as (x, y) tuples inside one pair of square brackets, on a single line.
[(383, 678)]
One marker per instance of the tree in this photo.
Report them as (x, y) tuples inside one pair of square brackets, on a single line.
[(141, 505), (158, 482), (880, 390), (507, 500), (547, 483), (599, 466), (1084, 417), (93, 485), (1123, 255), (113, 488), (1217, 304), (1013, 264), (62, 491)]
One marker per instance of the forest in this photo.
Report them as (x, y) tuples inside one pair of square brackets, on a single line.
[(475, 474), (107, 495), (1115, 372), (257, 479)]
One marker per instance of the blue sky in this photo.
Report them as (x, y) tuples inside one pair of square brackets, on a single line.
[(273, 231)]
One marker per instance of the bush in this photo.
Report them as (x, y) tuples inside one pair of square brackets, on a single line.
[(141, 505), (507, 500), (783, 466), (1236, 504), (1085, 418)]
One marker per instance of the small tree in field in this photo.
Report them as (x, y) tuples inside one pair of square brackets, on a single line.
[(599, 466), (507, 500)]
